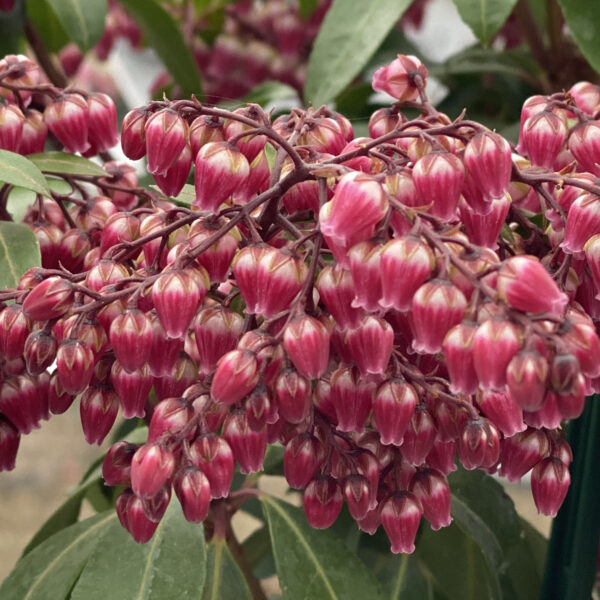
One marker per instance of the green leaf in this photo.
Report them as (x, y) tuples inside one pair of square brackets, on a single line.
[(307, 8), (258, 552), (12, 23), (485, 17), (18, 170), (19, 251), (82, 20), (351, 33), (70, 164), (171, 565), (47, 25), (20, 199), (582, 17), (311, 563), (164, 35), (266, 92), (224, 579), (50, 570), (407, 582), (185, 197)]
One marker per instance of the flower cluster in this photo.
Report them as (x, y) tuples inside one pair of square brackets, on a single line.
[(380, 305)]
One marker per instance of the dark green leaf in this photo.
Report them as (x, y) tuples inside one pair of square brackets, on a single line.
[(49, 571), (164, 35), (307, 8), (268, 91), (12, 23), (46, 24), (82, 20), (582, 17), (20, 199), (171, 565), (484, 17), (311, 563), (351, 33), (70, 164), (19, 251), (406, 582), (258, 552), (18, 170), (224, 579)]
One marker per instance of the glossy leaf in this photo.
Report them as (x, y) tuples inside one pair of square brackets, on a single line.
[(350, 34), (258, 552), (171, 565), (406, 582), (484, 17), (20, 199), (582, 17), (18, 170), (62, 162), (185, 197), (164, 35), (312, 563), (224, 579), (19, 251), (46, 24), (83, 21), (12, 23), (267, 92), (51, 569)]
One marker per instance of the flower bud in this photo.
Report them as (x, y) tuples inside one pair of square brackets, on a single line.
[(521, 452), (357, 494), (131, 338), (526, 377), (419, 437), (479, 444), (170, 416), (502, 411), (193, 491), (49, 299), (205, 129), (488, 158), (394, 405), (365, 259), (584, 145), (550, 482), (302, 458), (166, 135), (59, 401), (133, 136), (116, 468), (398, 78), (542, 136), (248, 446), (9, 444), (67, 118), (164, 351), (306, 341), (235, 377), (293, 394), (441, 456), (102, 122), (322, 502), (151, 467), (130, 511), (132, 389), (583, 222), (40, 351), (121, 227), (75, 365), (171, 182), (400, 517), (214, 457), (14, 331), (98, 411), (352, 399), (11, 127), (217, 258), (458, 347), (431, 488), (336, 289)]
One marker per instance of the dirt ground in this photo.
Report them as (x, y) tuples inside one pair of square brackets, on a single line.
[(53, 459)]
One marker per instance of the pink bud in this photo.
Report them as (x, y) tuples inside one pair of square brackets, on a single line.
[(488, 158), (336, 289), (503, 412), (9, 444), (352, 398), (75, 365), (119, 228), (418, 437), (14, 330), (151, 467), (40, 351), (132, 389), (49, 299), (302, 459), (479, 444), (193, 491), (521, 452), (131, 338), (235, 377), (306, 341), (205, 129), (584, 144), (542, 136), (364, 259), (67, 119), (98, 411), (248, 446), (495, 343), (458, 348), (432, 490), (484, 230), (166, 135), (251, 145), (393, 408), (164, 351), (583, 222), (11, 127), (438, 177), (133, 518), (214, 457), (217, 258), (359, 202), (405, 265), (322, 502), (357, 494), (524, 284), (133, 137), (171, 182), (436, 307), (550, 482), (441, 456), (221, 169), (400, 517), (371, 345), (170, 416), (59, 401), (116, 468), (102, 122), (293, 394), (398, 77)]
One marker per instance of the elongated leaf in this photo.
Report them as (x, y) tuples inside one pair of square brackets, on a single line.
[(164, 35), (224, 579), (484, 17), (351, 33), (185, 197), (61, 162), (171, 565), (47, 25), (51, 569), (582, 17), (406, 581), (82, 20), (12, 23), (311, 563), (20, 199), (18, 170), (19, 251)]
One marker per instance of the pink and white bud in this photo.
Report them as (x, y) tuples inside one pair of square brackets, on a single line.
[(34, 134), (306, 342), (483, 230), (166, 135), (98, 410), (39, 352), (358, 203), (130, 510), (550, 482), (193, 492), (541, 138), (221, 169), (205, 129), (521, 452), (398, 78), (236, 376), (131, 338), (357, 494), (459, 352), (302, 459), (217, 258), (489, 161), (394, 405), (49, 299), (400, 517), (9, 444), (132, 389), (523, 283), (584, 144), (67, 118), (502, 411), (322, 502), (293, 395), (133, 136), (436, 307), (102, 122), (171, 182), (371, 345), (438, 177), (419, 437), (151, 467), (248, 445), (118, 228), (352, 399), (433, 491), (336, 289), (479, 444), (12, 121), (14, 330), (75, 365), (116, 468), (583, 222), (213, 455), (364, 259)]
